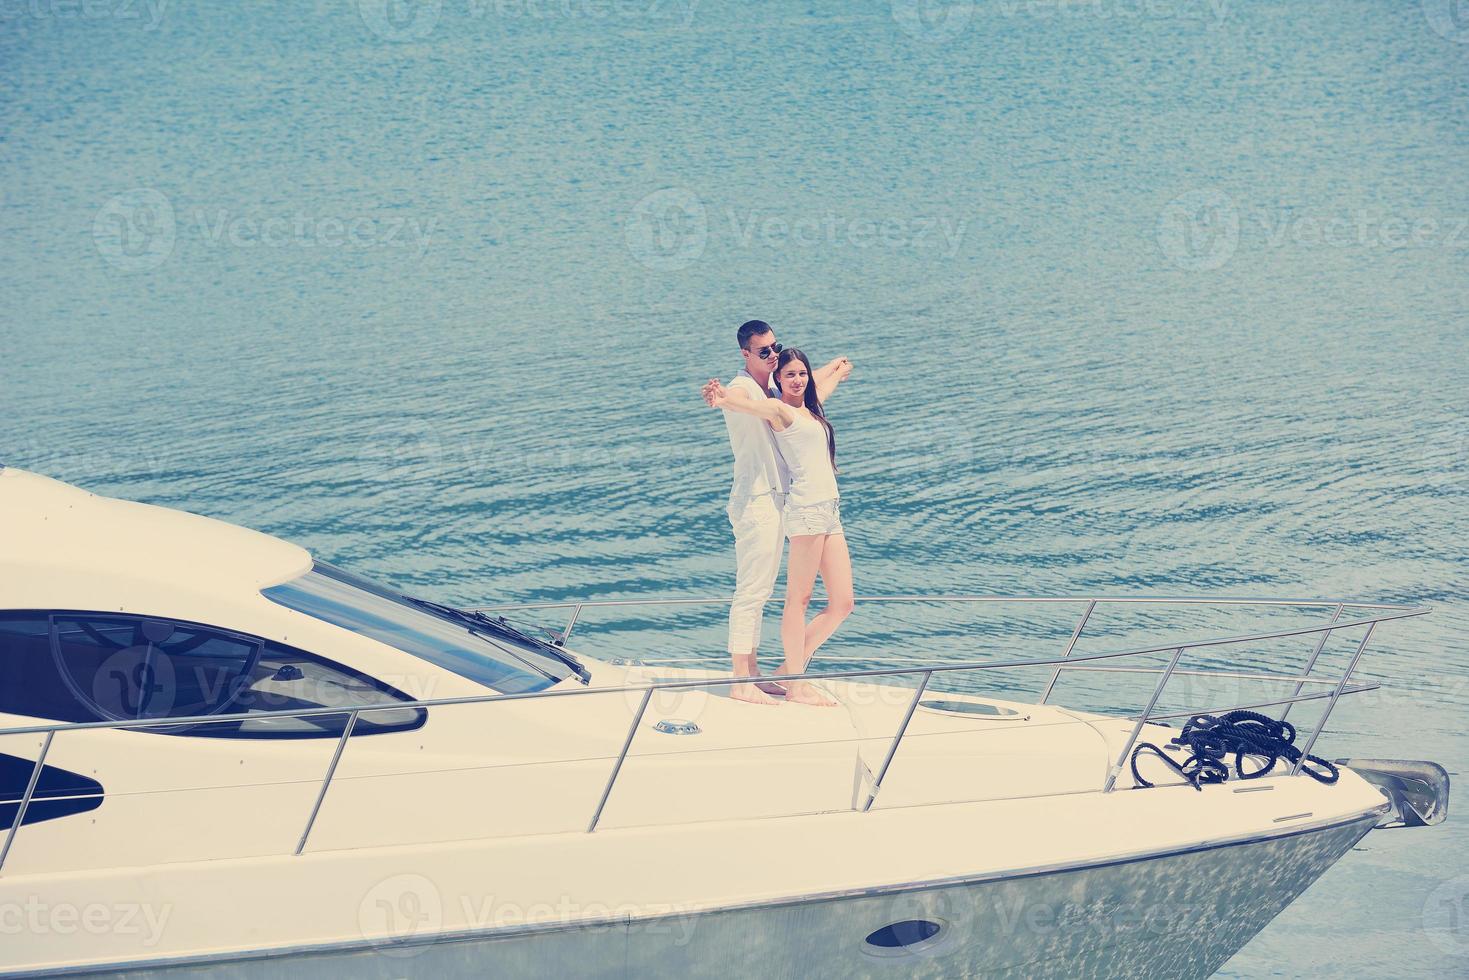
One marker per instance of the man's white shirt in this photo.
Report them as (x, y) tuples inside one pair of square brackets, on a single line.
[(758, 466)]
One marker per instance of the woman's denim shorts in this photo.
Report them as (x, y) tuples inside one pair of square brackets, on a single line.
[(824, 517)]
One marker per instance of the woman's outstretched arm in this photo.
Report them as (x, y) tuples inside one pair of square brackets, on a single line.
[(772, 410)]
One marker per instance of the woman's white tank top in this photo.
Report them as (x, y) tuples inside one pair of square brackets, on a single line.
[(803, 447)]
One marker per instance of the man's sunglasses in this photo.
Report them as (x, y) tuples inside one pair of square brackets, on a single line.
[(768, 351)]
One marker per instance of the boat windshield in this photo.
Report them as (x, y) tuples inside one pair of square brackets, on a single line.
[(442, 635)]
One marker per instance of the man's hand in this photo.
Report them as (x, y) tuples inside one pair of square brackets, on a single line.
[(713, 393)]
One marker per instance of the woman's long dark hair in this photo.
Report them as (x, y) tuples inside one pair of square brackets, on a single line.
[(813, 404)]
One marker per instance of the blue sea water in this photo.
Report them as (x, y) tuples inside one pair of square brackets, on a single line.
[(1144, 297)]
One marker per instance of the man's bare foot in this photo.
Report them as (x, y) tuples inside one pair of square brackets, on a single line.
[(750, 693), (802, 692)]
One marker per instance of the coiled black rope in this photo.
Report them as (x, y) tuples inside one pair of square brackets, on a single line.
[(1211, 738)]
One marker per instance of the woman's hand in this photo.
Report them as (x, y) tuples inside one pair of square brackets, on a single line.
[(772, 410)]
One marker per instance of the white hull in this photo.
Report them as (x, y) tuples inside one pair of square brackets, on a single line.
[(1178, 915), (1034, 885)]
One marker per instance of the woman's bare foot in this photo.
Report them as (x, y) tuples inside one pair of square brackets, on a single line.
[(751, 693), (802, 692)]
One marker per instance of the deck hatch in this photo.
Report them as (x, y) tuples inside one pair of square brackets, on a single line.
[(972, 709)]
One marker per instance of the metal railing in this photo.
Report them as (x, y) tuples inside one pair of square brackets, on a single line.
[(1068, 660)]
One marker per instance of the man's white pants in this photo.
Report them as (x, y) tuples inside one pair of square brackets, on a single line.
[(759, 541)]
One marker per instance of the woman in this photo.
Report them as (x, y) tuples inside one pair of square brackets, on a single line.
[(813, 521)]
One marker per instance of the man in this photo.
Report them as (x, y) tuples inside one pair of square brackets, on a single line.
[(757, 498)]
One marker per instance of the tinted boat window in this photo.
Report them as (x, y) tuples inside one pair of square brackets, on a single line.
[(365, 607), (77, 666), (125, 667), (30, 678), (285, 679)]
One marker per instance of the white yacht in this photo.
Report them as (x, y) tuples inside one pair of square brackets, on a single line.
[(222, 756)]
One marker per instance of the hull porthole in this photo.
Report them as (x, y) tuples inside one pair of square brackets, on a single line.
[(905, 938)]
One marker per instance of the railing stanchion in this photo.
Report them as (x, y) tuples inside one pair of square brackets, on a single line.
[(1311, 663), (571, 623), (1335, 694), (1075, 635), (25, 800), (893, 748), (326, 781), (1137, 729), (626, 744)]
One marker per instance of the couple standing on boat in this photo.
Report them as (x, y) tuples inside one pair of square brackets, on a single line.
[(784, 486)]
